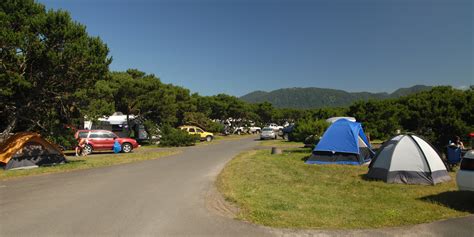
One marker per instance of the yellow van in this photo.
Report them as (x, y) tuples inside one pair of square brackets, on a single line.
[(205, 136)]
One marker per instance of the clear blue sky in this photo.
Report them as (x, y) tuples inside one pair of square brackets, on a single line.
[(235, 47)]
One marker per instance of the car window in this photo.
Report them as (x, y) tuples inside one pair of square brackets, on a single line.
[(199, 130), (97, 135), (467, 164), (83, 134), (109, 135), (191, 130)]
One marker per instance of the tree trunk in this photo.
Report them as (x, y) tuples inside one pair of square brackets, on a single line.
[(10, 127)]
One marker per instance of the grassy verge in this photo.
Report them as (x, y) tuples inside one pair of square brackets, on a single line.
[(91, 161), (281, 143), (282, 191), (216, 139)]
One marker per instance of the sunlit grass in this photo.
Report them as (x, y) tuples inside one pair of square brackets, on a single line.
[(283, 191), (280, 143)]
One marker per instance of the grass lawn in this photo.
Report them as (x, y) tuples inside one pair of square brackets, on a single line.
[(216, 139), (281, 143), (282, 191), (91, 161)]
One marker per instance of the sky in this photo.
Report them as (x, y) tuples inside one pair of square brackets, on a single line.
[(239, 46)]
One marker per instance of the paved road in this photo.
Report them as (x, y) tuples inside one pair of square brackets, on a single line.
[(163, 197)]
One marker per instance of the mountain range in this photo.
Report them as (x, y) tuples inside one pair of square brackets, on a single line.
[(313, 97)]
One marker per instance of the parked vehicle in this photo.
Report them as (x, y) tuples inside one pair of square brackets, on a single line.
[(275, 126), (193, 130), (268, 133), (241, 130), (249, 130), (118, 124), (254, 129), (465, 176), (98, 140)]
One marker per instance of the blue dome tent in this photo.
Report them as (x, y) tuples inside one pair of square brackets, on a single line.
[(344, 142)]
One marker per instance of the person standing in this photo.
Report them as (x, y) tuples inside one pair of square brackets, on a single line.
[(80, 147), (458, 142)]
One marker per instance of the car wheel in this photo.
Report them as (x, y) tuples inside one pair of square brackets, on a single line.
[(87, 150), (209, 138), (127, 147)]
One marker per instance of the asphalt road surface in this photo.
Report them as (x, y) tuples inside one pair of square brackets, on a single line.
[(164, 197)]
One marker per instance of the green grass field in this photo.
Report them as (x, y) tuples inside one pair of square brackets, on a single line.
[(91, 161), (282, 191), (281, 143)]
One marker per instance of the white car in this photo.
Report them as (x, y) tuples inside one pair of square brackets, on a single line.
[(255, 129), (465, 176), (268, 133), (275, 127)]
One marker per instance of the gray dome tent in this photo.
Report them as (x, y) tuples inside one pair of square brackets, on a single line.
[(408, 159)]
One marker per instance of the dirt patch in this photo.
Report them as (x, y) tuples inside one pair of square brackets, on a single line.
[(216, 203)]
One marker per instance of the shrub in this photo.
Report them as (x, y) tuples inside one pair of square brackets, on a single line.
[(202, 121), (308, 127), (62, 137), (175, 137), (214, 127)]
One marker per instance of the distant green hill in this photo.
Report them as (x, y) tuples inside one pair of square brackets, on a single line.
[(313, 97)]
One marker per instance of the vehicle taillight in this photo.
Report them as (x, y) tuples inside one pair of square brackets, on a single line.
[(467, 164)]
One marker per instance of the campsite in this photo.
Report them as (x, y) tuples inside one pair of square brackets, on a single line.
[(236, 118)]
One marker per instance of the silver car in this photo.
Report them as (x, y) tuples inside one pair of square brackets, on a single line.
[(268, 133), (465, 176)]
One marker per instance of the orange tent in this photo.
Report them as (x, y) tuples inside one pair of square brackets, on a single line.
[(27, 150)]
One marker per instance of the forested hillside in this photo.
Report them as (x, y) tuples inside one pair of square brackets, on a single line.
[(313, 97)]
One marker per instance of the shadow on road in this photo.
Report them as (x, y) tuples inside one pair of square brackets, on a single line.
[(458, 200)]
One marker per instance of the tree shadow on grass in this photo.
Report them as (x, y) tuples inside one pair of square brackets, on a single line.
[(305, 158), (366, 178), (297, 150), (457, 200), (75, 161)]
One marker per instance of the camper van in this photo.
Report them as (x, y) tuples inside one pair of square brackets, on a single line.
[(117, 123)]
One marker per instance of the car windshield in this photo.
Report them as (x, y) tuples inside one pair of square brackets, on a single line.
[(267, 129)]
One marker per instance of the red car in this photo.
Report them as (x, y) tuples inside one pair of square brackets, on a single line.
[(104, 140)]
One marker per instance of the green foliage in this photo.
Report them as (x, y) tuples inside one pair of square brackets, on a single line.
[(176, 137), (438, 115), (63, 137), (308, 127), (53, 74), (380, 118), (307, 98), (47, 61), (151, 128), (265, 111)]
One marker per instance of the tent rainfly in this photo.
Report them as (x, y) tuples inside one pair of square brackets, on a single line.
[(344, 142), (408, 159), (26, 150)]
